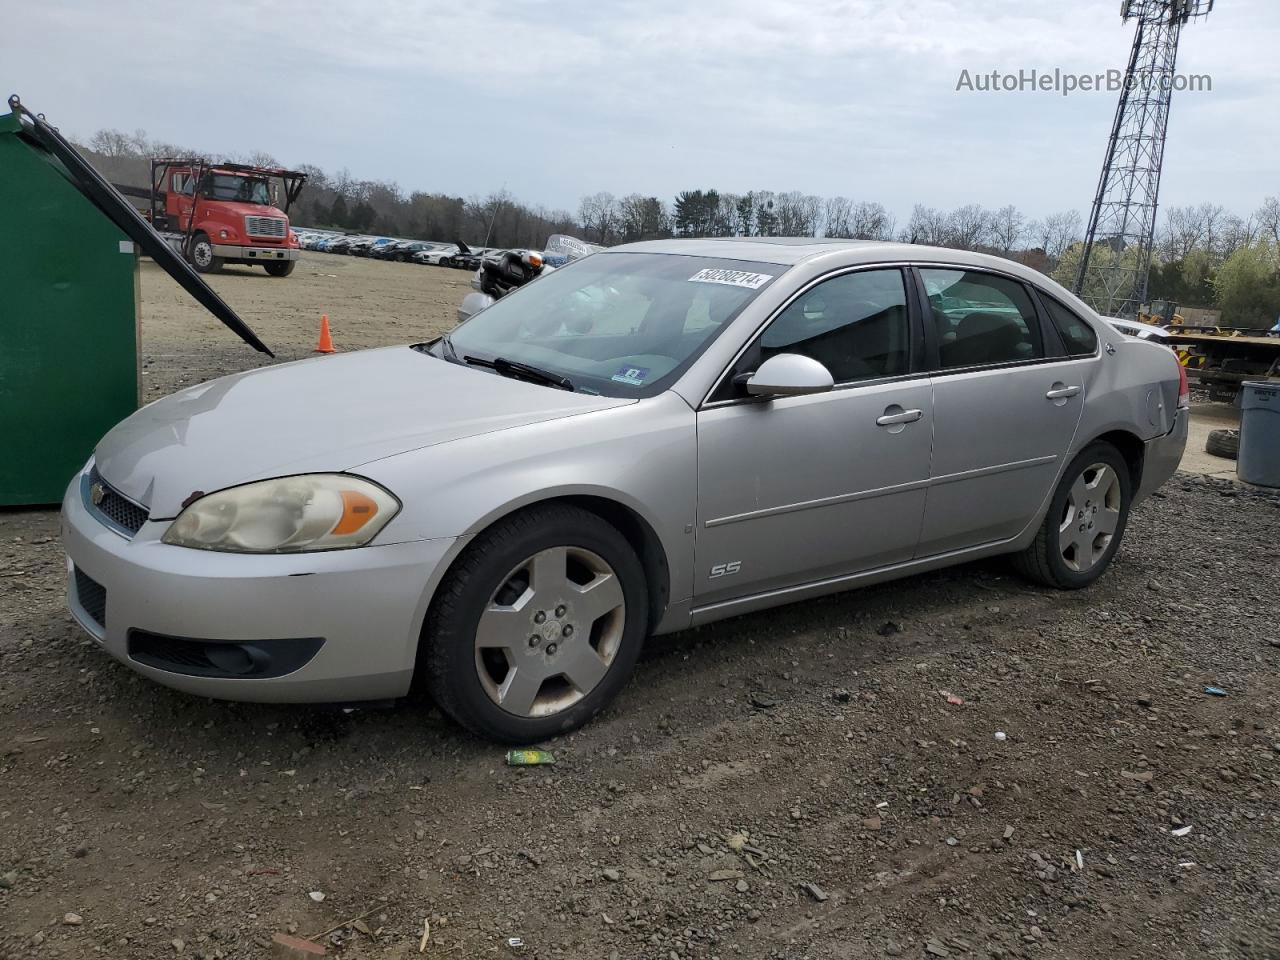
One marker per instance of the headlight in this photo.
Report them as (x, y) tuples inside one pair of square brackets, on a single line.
[(323, 511)]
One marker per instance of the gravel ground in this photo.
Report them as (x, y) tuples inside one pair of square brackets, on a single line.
[(785, 785)]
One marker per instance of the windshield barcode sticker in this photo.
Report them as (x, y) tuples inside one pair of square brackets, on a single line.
[(735, 278)]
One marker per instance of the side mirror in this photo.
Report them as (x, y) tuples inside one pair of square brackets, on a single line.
[(789, 375)]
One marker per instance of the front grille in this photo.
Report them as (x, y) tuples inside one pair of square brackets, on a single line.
[(112, 506), (92, 597), (266, 227)]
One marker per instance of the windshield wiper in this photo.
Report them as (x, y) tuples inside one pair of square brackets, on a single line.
[(521, 371)]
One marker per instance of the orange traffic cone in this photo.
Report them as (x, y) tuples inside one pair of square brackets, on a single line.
[(326, 341)]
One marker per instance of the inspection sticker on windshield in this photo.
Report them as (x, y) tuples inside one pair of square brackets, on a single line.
[(734, 278), (635, 376)]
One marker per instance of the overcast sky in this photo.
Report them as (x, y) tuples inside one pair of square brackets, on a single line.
[(561, 98)]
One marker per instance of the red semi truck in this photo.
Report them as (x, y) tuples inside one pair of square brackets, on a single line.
[(216, 213)]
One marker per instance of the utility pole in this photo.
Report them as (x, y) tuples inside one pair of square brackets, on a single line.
[(1116, 260)]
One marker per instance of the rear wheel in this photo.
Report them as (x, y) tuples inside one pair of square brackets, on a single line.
[(537, 626), (201, 254), (280, 268), (1085, 523)]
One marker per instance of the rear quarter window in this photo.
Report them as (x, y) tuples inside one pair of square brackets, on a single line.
[(1078, 337)]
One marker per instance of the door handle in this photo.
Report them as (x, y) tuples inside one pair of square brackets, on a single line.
[(1061, 393), (893, 419)]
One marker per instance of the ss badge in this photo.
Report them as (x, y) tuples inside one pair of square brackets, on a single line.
[(726, 569)]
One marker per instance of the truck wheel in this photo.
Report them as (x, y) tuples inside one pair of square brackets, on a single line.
[(201, 255), (1223, 443), (280, 268), (1085, 523)]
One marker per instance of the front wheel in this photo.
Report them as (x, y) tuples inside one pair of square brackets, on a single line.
[(1085, 523), (537, 626), (280, 268), (201, 255)]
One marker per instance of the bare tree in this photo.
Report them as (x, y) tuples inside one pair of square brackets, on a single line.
[(969, 227), (928, 226), (1060, 232), (871, 221), (598, 215), (112, 143), (1268, 218), (1237, 233), (838, 217), (1183, 231), (1007, 228)]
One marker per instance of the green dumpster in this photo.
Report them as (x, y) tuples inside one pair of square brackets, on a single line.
[(69, 245), (68, 323)]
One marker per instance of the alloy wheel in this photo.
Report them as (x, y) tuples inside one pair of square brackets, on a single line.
[(550, 632), (1090, 517)]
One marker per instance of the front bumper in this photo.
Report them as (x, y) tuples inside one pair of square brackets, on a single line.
[(366, 605), (229, 251), (1163, 455)]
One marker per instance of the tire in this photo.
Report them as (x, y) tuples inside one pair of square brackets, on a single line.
[(1104, 513), (280, 268), (1223, 443), (446, 262), (201, 255), (494, 578)]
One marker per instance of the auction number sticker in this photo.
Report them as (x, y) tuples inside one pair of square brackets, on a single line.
[(734, 278)]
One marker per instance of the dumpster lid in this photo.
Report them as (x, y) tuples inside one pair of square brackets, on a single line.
[(106, 198)]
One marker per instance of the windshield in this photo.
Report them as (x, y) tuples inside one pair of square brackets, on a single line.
[(617, 324), (223, 186)]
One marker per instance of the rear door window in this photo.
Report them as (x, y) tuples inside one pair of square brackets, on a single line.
[(981, 319)]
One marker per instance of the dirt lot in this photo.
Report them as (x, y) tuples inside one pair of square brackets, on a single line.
[(785, 785)]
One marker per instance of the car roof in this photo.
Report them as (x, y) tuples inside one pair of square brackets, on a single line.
[(791, 251)]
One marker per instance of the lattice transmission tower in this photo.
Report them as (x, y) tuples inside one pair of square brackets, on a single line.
[(1116, 261)]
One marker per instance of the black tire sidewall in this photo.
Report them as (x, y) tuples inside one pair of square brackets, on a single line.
[(1094, 453), (280, 268), (1223, 443), (449, 634), (214, 262)]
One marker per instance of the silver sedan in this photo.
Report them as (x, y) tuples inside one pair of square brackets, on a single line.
[(653, 437)]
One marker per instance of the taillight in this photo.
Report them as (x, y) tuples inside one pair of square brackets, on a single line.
[(1184, 389)]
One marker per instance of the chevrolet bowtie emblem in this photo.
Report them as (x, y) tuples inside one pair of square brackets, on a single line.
[(97, 493)]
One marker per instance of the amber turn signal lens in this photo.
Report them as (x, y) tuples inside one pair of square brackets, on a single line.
[(357, 510)]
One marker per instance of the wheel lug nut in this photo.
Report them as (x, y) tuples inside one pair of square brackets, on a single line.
[(534, 641), (539, 617), (551, 648), (568, 630), (560, 610)]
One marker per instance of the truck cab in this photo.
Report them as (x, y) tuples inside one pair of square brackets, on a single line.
[(227, 213)]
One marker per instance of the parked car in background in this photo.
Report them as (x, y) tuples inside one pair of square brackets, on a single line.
[(441, 255), (340, 244), (468, 258), (808, 416), (1135, 328)]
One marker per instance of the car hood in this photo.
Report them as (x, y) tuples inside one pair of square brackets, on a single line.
[(324, 414)]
